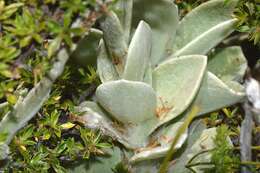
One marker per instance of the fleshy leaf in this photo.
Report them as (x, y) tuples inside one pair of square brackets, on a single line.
[(131, 103), (105, 67), (166, 135), (95, 118), (162, 16), (150, 154), (138, 53), (228, 64), (152, 166), (124, 11), (204, 27), (215, 94), (165, 138), (195, 131), (148, 76), (114, 39), (127, 101), (176, 83), (203, 142)]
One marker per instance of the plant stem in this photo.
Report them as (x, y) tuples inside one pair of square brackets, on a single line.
[(181, 130)]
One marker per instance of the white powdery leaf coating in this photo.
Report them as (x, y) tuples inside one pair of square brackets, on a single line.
[(204, 142), (228, 64), (133, 104), (206, 41), (166, 134), (124, 11), (114, 39), (58, 66), (162, 16), (176, 83), (204, 27), (105, 67), (139, 52), (128, 101), (215, 94)]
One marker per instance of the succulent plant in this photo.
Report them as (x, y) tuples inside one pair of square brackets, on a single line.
[(149, 87)]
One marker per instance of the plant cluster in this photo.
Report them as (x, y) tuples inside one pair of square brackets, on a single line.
[(158, 68), (150, 85)]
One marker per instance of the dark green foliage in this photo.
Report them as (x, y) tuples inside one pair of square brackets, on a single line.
[(248, 14), (223, 157), (50, 141), (26, 27)]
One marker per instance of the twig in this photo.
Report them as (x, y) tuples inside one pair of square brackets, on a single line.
[(246, 137)]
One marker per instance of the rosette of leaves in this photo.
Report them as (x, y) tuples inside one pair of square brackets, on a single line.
[(150, 85)]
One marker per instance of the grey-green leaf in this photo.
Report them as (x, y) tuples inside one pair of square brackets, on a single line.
[(114, 40), (176, 83), (204, 27), (204, 142), (148, 76), (95, 118), (206, 41), (228, 64), (124, 11), (164, 137), (105, 67), (139, 52), (133, 104), (127, 101), (195, 131), (166, 134), (215, 94), (162, 16)]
